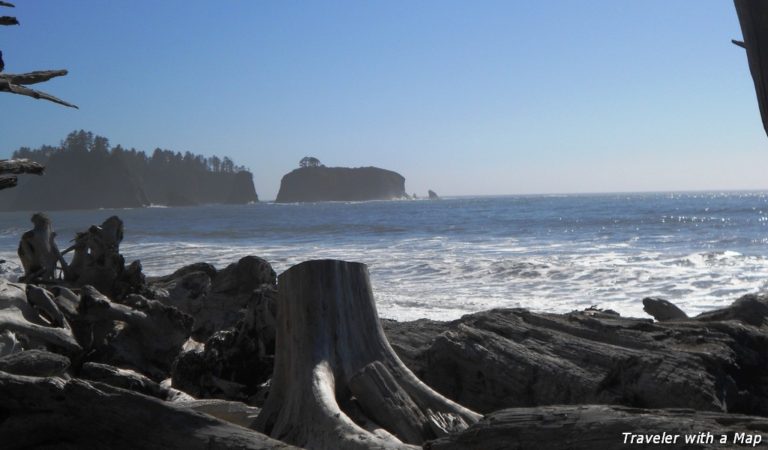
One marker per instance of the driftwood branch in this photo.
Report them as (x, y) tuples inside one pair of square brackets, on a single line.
[(8, 182), (17, 166), (15, 84), (37, 76), (7, 86), (54, 413)]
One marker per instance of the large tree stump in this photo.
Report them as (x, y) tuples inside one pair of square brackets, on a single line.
[(337, 382)]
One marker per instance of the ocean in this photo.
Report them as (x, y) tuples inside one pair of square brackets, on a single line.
[(443, 259)]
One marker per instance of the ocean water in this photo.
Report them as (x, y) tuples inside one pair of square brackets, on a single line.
[(442, 259)]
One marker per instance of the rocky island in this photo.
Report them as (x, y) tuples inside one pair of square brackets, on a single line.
[(313, 182), (85, 172)]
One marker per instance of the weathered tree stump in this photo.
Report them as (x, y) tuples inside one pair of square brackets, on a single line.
[(337, 382)]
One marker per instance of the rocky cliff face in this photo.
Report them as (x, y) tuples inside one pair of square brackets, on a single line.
[(175, 189), (318, 184)]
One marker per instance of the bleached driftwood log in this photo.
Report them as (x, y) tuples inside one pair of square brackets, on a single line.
[(17, 166), (606, 427), (76, 414), (22, 318), (337, 382)]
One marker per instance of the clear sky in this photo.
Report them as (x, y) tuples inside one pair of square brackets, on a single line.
[(463, 97)]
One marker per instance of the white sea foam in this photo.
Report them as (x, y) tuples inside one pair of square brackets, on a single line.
[(440, 279)]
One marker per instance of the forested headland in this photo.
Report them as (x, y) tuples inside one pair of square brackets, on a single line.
[(86, 172)]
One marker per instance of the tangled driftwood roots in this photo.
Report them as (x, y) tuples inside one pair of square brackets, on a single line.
[(337, 382)]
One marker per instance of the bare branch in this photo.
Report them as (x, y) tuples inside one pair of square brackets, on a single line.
[(8, 20), (8, 182), (6, 86), (17, 166), (738, 43), (38, 76), (9, 5)]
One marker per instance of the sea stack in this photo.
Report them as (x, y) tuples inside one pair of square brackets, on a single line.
[(320, 184), (433, 195)]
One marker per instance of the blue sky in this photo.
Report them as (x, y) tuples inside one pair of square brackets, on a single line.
[(486, 97)]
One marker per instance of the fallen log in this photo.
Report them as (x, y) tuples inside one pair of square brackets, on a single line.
[(602, 427), (334, 367), (53, 413), (19, 166), (502, 358), (663, 310), (36, 363), (55, 339)]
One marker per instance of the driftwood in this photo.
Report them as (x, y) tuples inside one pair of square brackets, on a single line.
[(232, 412), (606, 428), (142, 334), (74, 414), (97, 260), (7, 20), (334, 367), (16, 83), (217, 299), (29, 324), (36, 363), (16, 166), (717, 361), (236, 362), (38, 251), (19, 166), (663, 310)]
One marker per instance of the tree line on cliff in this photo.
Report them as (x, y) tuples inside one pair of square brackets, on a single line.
[(85, 171)]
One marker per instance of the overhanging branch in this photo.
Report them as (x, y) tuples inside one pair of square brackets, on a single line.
[(7, 86), (17, 166)]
